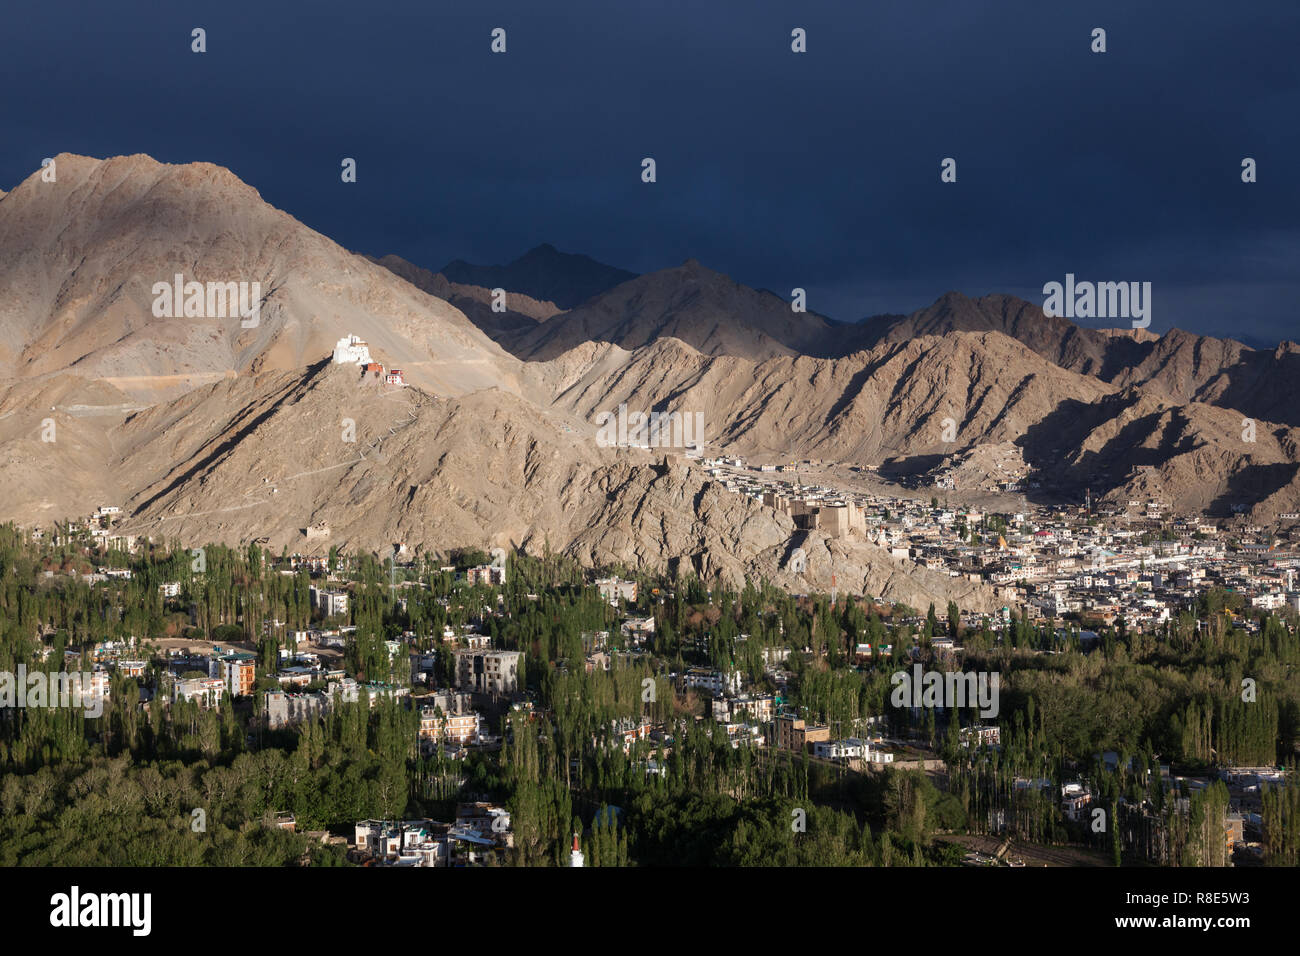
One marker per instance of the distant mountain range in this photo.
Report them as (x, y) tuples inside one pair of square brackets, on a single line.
[(543, 273), (204, 429)]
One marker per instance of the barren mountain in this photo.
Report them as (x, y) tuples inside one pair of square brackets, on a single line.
[(1187, 367), (522, 312), (545, 274), (1010, 413), (1097, 352), (79, 259), (891, 400), (1262, 384), (205, 430), (268, 456), (705, 309), (1199, 458)]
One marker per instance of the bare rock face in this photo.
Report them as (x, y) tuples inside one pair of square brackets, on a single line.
[(892, 400), (963, 402), (668, 509)]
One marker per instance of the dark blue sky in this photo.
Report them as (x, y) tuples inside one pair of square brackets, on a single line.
[(818, 170)]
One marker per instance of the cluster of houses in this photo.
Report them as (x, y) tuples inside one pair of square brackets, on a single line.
[(480, 831), (634, 632), (310, 682), (1096, 563), (1139, 563)]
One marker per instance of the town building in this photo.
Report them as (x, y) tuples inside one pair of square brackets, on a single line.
[(612, 590), (488, 671), (208, 691), (486, 574), (239, 673), (351, 349), (793, 733), (329, 603)]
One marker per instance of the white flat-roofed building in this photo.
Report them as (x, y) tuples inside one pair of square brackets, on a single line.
[(351, 349), (716, 682), (850, 749), (206, 690), (611, 589)]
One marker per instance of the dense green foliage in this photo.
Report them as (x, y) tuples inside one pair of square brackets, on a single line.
[(122, 788)]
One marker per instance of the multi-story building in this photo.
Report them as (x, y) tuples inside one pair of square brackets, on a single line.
[(1074, 801), (283, 708), (239, 673), (793, 733), (456, 729), (850, 749), (329, 603), (611, 589), (637, 629), (758, 707), (487, 671), (131, 668), (978, 736), (297, 675), (351, 350), (384, 838), (208, 691), (487, 574), (715, 682), (628, 731)]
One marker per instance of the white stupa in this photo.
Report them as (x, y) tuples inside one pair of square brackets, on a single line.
[(575, 857), (351, 349)]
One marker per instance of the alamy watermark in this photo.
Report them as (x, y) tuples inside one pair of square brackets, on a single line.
[(208, 300), (41, 689), (650, 430), (77, 909), (949, 689), (1099, 300)]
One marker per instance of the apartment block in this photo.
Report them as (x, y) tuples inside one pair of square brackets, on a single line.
[(239, 674), (488, 671), (793, 733), (329, 603), (487, 574)]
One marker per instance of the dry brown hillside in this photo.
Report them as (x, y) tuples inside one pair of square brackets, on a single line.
[(202, 429)]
